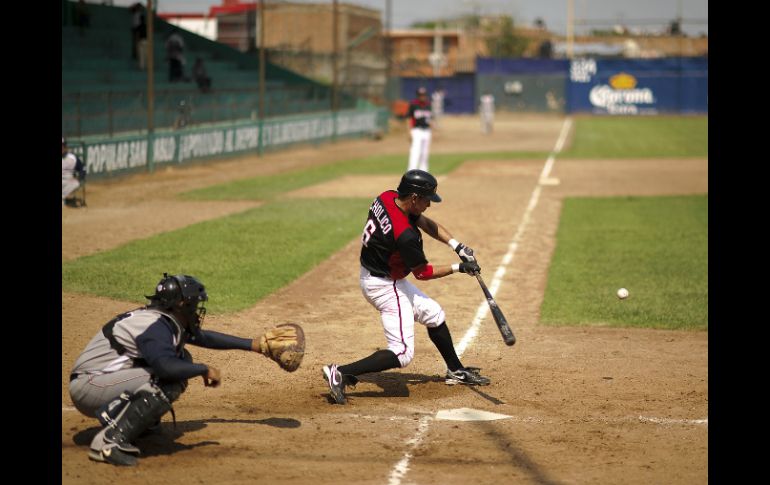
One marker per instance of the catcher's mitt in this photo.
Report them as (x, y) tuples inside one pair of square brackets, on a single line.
[(284, 344)]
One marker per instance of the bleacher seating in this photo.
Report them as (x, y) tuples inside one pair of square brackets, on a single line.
[(104, 91)]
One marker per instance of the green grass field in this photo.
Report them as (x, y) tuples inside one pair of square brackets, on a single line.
[(246, 256), (639, 137), (656, 247), (268, 187), (241, 258)]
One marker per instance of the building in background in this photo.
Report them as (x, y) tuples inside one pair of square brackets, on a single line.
[(298, 36), (201, 24)]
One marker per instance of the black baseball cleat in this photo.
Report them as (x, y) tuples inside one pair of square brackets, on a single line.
[(113, 456), (336, 383), (467, 375)]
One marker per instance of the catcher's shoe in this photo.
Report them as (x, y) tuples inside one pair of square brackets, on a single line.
[(467, 375), (111, 454), (336, 383)]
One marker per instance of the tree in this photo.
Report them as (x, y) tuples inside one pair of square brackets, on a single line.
[(675, 27), (504, 42)]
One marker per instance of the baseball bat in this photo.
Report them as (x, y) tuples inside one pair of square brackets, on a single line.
[(497, 314)]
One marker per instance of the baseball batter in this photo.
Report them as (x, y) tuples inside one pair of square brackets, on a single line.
[(418, 126), (391, 249), (137, 365)]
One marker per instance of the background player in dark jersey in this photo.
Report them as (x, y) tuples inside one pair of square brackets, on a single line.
[(391, 248), (137, 365), (418, 125)]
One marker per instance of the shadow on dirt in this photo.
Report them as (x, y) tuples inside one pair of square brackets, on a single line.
[(393, 384), (163, 440), (486, 396), (517, 456)]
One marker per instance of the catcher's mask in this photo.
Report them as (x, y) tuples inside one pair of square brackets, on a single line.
[(183, 294)]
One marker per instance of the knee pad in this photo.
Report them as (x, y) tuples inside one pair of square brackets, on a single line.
[(109, 413), (143, 410), (171, 390)]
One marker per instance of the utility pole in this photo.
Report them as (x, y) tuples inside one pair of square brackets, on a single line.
[(388, 51), (261, 102), (150, 14), (261, 60), (335, 47), (570, 27)]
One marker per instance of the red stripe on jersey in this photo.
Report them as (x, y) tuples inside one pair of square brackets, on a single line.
[(398, 218), (400, 223), (398, 269)]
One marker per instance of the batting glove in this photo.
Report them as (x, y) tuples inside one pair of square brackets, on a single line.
[(465, 253), (469, 267)]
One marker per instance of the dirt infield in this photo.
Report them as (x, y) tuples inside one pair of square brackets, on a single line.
[(586, 405)]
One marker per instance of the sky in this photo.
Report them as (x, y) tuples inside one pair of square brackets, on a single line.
[(648, 15)]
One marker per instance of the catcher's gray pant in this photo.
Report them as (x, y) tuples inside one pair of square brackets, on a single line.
[(91, 392)]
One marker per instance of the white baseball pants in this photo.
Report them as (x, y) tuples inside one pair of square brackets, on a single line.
[(418, 153), (400, 304)]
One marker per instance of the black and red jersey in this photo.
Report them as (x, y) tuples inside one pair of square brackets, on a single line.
[(419, 114), (391, 243)]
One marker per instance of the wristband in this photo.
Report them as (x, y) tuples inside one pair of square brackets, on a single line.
[(453, 243), (455, 267)]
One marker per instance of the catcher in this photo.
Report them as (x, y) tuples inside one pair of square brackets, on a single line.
[(137, 365)]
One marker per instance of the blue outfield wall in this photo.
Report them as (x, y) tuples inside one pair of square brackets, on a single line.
[(644, 86), (523, 85), (460, 92), (599, 86)]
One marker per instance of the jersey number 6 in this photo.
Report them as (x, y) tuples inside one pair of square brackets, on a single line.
[(369, 229)]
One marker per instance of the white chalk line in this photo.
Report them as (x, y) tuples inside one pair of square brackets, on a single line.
[(403, 466), (540, 420)]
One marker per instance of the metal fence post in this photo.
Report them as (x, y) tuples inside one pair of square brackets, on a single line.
[(77, 103), (109, 113)]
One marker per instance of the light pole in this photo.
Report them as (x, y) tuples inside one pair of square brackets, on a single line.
[(150, 83), (570, 27)]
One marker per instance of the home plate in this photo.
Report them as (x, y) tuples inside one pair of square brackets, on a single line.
[(549, 181), (467, 414)]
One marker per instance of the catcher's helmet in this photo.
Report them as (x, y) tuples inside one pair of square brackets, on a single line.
[(419, 182), (183, 293)]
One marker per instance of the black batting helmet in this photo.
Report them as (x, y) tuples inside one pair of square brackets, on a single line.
[(183, 293), (419, 182)]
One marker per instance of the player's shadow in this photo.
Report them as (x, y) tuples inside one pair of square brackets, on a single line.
[(163, 440), (393, 384), (396, 384)]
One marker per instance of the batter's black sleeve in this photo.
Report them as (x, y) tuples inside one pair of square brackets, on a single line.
[(409, 246), (156, 346), (219, 341)]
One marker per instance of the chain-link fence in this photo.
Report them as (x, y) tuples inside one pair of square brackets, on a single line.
[(115, 112)]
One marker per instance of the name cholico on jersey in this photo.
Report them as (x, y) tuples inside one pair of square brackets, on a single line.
[(391, 243)]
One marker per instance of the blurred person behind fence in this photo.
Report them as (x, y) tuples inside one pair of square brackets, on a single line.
[(72, 169)]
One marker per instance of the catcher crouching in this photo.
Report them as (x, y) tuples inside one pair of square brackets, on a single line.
[(136, 365)]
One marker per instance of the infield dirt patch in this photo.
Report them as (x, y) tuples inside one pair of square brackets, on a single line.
[(587, 405)]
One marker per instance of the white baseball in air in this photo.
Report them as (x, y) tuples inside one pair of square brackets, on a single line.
[(622, 293)]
